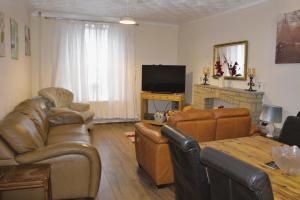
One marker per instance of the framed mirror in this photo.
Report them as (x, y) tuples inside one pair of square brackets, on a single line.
[(230, 60)]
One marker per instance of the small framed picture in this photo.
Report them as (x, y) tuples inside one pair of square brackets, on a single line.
[(2, 35), (27, 41), (14, 39)]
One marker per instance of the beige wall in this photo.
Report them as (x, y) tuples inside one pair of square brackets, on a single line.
[(15, 76), (256, 24)]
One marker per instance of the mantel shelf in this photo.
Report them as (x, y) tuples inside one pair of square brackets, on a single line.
[(232, 89)]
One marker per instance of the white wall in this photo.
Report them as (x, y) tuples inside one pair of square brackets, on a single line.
[(256, 24), (15, 76), (155, 44)]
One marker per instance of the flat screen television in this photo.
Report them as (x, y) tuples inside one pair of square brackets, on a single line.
[(163, 78)]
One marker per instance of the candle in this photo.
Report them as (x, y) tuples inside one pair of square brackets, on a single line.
[(205, 70), (253, 71)]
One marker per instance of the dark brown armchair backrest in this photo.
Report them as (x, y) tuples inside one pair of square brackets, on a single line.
[(191, 181), (290, 132), (233, 179)]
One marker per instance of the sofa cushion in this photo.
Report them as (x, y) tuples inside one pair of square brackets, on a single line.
[(232, 123), (38, 104), (230, 112), (68, 133), (190, 115), (41, 125), (6, 151), (20, 133), (200, 130), (233, 127), (59, 96)]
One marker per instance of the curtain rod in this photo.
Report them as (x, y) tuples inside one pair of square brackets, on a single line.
[(82, 20)]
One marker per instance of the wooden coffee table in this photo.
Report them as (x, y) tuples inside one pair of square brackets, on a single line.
[(26, 177)]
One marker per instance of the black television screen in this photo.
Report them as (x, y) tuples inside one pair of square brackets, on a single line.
[(163, 78)]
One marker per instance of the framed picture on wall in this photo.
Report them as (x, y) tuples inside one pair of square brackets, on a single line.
[(2, 35), (288, 38), (27, 41), (14, 39), (230, 60)]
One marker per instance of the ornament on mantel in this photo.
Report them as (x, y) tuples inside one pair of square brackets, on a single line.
[(251, 75), (206, 74), (219, 71)]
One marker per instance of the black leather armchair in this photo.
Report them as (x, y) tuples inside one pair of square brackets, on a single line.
[(191, 181), (233, 179), (290, 132)]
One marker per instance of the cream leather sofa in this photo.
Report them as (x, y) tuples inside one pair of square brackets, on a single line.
[(62, 109), (27, 138)]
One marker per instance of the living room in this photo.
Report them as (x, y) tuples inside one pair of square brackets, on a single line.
[(58, 53)]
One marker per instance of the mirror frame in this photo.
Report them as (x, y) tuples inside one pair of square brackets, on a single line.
[(245, 42)]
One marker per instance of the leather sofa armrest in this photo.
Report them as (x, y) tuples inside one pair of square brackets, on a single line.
[(59, 116), (60, 111), (80, 107), (151, 132), (255, 130), (57, 150)]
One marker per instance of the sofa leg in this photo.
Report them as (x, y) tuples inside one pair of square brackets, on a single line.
[(164, 185)]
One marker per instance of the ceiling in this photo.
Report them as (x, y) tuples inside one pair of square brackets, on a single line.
[(157, 11)]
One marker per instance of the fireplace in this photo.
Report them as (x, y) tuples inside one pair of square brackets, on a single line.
[(204, 97), (217, 103)]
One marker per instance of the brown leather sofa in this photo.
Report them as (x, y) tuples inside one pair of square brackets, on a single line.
[(152, 151), (27, 138)]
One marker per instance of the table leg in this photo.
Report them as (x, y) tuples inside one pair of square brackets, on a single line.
[(144, 107), (47, 190)]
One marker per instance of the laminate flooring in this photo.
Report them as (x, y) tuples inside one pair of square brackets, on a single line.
[(121, 178)]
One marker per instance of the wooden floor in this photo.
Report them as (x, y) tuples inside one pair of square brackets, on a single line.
[(121, 177)]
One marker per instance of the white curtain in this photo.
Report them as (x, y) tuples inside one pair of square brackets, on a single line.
[(95, 61)]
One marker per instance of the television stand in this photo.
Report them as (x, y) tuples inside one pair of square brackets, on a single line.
[(146, 96)]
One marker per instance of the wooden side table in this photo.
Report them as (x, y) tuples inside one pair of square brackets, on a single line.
[(26, 177)]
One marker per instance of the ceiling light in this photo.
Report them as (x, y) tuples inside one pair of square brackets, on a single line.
[(127, 21)]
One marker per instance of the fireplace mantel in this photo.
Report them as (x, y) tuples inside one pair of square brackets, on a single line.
[(204, 95)]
